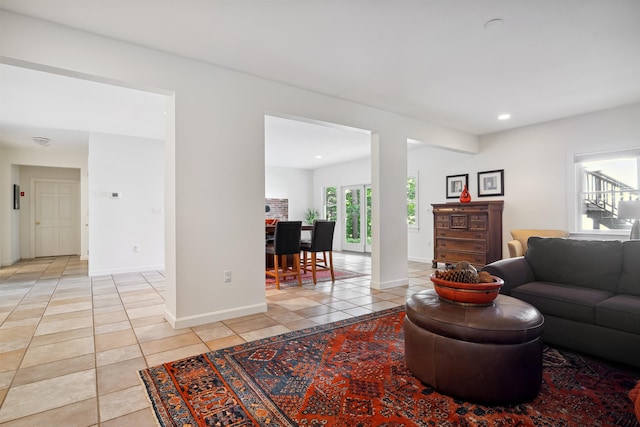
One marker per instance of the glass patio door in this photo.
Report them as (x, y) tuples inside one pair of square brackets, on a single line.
[(367, 224), (356, 211)]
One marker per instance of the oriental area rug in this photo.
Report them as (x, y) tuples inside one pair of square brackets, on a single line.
[(307, 278), (352, 374)]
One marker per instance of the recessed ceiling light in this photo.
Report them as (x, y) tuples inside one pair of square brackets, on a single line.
[(505, 116), (318, 156)]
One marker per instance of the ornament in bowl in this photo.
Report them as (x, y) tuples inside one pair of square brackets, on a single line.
[(464, 285)]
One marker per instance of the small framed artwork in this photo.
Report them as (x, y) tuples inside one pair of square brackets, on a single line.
[(16, 196), (491, 183), (455, 184)]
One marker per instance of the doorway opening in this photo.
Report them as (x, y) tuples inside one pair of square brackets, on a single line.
[(316, 166), (71, 111)]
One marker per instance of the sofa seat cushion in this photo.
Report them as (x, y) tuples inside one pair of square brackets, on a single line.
[(630, 277), (587, 263), (569, 302), (620, 312)]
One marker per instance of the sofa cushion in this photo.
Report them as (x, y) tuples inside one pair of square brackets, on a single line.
[(630, 275), (620, 312), (569, 302), (589, 263)]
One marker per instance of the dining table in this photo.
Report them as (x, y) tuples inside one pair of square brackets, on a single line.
[(270, 229)]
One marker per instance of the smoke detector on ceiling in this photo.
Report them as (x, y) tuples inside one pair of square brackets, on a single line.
[(41, 140)]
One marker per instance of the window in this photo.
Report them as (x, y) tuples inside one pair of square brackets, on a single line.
[(412, 201), (605, 179), (330, 203)]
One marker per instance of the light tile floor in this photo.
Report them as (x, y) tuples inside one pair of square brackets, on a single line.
[(71, 345)]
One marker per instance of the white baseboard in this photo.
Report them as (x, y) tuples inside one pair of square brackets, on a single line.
[(10, 262), (215, 316), (390, 284), (123, 270), (418, 259)]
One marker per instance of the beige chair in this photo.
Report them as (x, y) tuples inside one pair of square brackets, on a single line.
[(518, 246)]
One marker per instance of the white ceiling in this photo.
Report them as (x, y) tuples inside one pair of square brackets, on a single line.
[(66, 109), (311, 145), (433, 60)]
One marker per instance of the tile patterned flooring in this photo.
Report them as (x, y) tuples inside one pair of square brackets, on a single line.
[(71, 345)]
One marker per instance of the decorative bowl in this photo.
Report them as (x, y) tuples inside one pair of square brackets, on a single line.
[(478, 294)]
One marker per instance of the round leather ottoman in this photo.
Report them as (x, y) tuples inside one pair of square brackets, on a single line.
[(490, 354)]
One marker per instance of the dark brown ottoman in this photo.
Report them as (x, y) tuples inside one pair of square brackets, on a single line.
[(490, 354)]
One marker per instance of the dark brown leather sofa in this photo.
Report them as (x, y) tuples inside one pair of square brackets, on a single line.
[(587, 290)]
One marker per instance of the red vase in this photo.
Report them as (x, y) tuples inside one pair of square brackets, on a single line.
[(465, 197)]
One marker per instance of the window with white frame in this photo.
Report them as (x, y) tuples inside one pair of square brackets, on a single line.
[(330, 203), (412, 201), (603, 181)]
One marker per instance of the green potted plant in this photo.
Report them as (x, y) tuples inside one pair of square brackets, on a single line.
[(310, 215)]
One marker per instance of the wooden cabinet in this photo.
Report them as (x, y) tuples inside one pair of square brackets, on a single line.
[(467, 232)]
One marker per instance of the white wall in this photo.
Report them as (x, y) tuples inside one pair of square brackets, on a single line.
[(215, 140), (538, 168), (539, 185), (27, 174), (15, 218), (296, 185), (538, 163), (432, 166), (10, 160), (357, 172), (4, 211), (127, 233)]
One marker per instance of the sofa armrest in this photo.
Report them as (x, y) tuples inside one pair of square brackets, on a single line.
[(515, 248), (514, 272)]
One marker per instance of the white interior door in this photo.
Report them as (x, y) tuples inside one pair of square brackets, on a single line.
[(56, 227)]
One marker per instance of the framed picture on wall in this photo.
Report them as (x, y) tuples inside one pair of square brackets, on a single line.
[(491, 183), (455, 184), (16, 196)]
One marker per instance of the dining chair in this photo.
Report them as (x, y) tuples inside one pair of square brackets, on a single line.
[(286, 241), (321, 242), (268, 237), (518, 246)]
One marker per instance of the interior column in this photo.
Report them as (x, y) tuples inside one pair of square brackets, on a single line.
[(389, 253)]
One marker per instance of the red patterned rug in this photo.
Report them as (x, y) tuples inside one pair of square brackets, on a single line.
[(307, 278), (352, 374)]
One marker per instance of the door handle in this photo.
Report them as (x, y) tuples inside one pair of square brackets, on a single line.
[(37, 222)]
